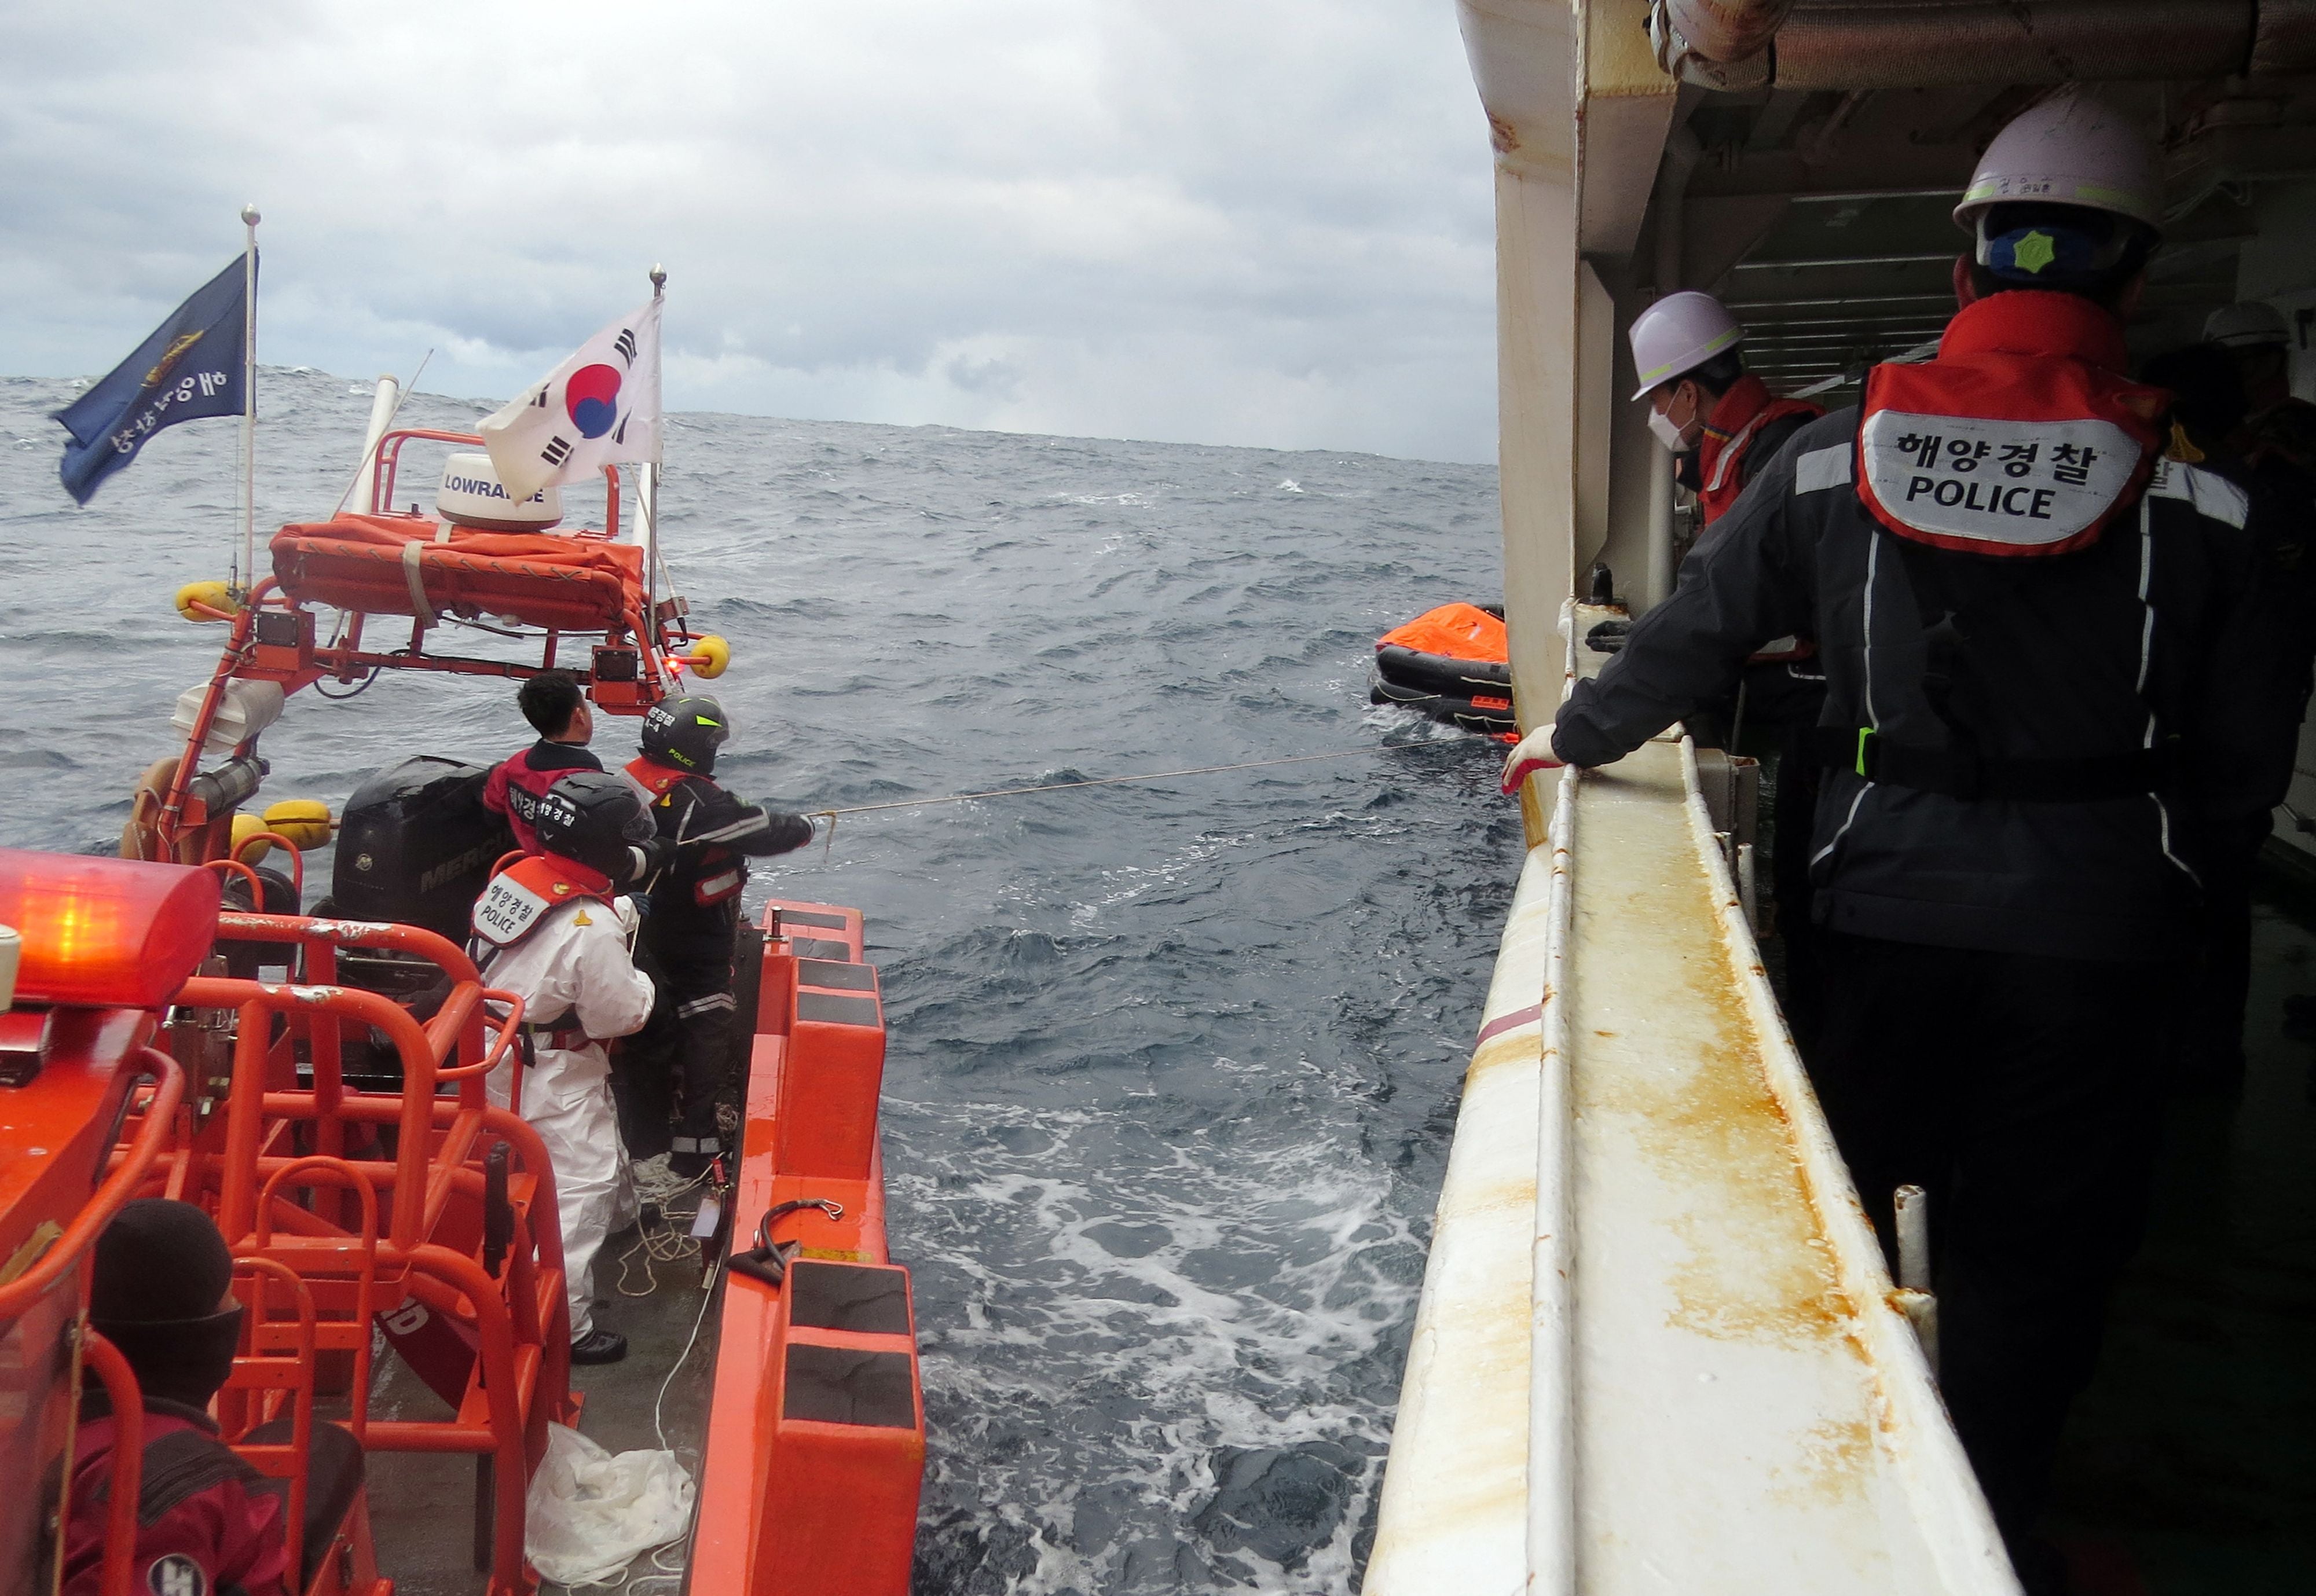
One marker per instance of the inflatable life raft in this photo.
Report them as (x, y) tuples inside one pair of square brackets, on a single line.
[(1453, 664)]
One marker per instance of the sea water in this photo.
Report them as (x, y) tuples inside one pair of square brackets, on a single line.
[(1174, 1066)]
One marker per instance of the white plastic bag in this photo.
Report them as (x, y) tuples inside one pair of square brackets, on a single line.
[(590, 1512)]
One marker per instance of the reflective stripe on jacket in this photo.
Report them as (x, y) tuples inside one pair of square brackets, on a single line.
[(2148, 636), (696, 903)]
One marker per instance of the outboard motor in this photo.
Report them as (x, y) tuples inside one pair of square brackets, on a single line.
[(415, 845)]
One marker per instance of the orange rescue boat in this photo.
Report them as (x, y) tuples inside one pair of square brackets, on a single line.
[(394, 1194)]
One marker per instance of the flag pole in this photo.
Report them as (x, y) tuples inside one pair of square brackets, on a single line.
[(245, 562), (650, 482)]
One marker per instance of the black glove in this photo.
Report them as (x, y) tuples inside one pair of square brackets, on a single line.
[(642, 900)]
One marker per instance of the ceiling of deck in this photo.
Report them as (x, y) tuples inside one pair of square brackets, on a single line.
[(1822, 217)]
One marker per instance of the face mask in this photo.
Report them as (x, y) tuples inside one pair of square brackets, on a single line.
[(1672, 434), (179, 1359)]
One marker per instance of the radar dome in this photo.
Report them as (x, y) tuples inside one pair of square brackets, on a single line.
[(472, 495)]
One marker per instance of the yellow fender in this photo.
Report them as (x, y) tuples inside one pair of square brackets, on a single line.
[(305, 821), (214, 595), (246, 847), (710, 656)]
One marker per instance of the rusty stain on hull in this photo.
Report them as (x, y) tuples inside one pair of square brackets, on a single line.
[(1836, 1456), (1745, 1412), (1756, 1266)]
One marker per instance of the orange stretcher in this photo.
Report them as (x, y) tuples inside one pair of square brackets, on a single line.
[(413, 565)]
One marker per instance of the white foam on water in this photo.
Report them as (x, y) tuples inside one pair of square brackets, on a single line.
[(1222, 1290)]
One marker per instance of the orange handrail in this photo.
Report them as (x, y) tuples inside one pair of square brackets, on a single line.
[(297, 858), (301, 1411), (229, 866), (365, 1276), (416, 940), (256, 1000), (128, 1460), (389, 466)]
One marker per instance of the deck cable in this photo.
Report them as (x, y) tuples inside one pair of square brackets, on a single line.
[(635, 1579), (668, 1242)]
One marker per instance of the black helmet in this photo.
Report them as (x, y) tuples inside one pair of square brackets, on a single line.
[(685, 733), (597, 819)]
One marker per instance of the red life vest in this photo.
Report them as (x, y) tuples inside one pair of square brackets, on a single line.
[(520, 897), (2022, 438), (717, 873), (656, 780), (1736, 420), (517, 784)]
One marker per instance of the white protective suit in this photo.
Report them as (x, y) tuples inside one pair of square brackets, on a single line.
[(576, 962)]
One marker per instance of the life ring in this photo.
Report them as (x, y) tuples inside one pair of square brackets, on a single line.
[(140, 834)]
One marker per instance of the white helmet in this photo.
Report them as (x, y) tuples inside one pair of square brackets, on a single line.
[(2069, 149), (1678, 333), (2246, 326)]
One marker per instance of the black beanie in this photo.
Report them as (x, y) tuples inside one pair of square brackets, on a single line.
[(158, 1259), (160, 1272)]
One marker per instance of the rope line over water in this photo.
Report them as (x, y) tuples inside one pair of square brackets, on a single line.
[(1111, 781)]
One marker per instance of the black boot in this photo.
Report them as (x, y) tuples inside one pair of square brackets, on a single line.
[(600, 1347), (693, 1155)]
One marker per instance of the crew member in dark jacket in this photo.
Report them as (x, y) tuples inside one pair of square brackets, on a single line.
[(161, 1291), (557, 711), (1722, 427), (1720, 422), (2258, 341), (688, 934), (2041, 651), (2208, 428)]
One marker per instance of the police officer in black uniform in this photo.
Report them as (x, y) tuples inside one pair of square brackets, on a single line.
[(688, 938), (2040, 639)]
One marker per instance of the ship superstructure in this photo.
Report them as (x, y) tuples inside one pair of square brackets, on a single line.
[(1658, 1347)]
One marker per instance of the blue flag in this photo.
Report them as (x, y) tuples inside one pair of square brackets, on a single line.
[(190, 368)]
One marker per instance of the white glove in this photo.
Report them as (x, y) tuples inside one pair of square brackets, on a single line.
[(629, 917), (1534, 753)]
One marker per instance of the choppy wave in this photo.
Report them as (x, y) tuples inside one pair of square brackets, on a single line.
[(1175, 1065)]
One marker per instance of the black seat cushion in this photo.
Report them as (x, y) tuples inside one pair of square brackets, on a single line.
[(334, 1474)]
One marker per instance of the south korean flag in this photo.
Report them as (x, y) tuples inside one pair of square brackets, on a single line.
[(598, 408)]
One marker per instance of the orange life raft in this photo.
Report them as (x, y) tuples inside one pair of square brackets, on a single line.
[(1453, 664)]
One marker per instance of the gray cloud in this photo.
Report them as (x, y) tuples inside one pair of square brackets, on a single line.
[(1265, 222)]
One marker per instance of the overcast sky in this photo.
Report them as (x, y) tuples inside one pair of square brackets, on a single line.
[(1225, 221)]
